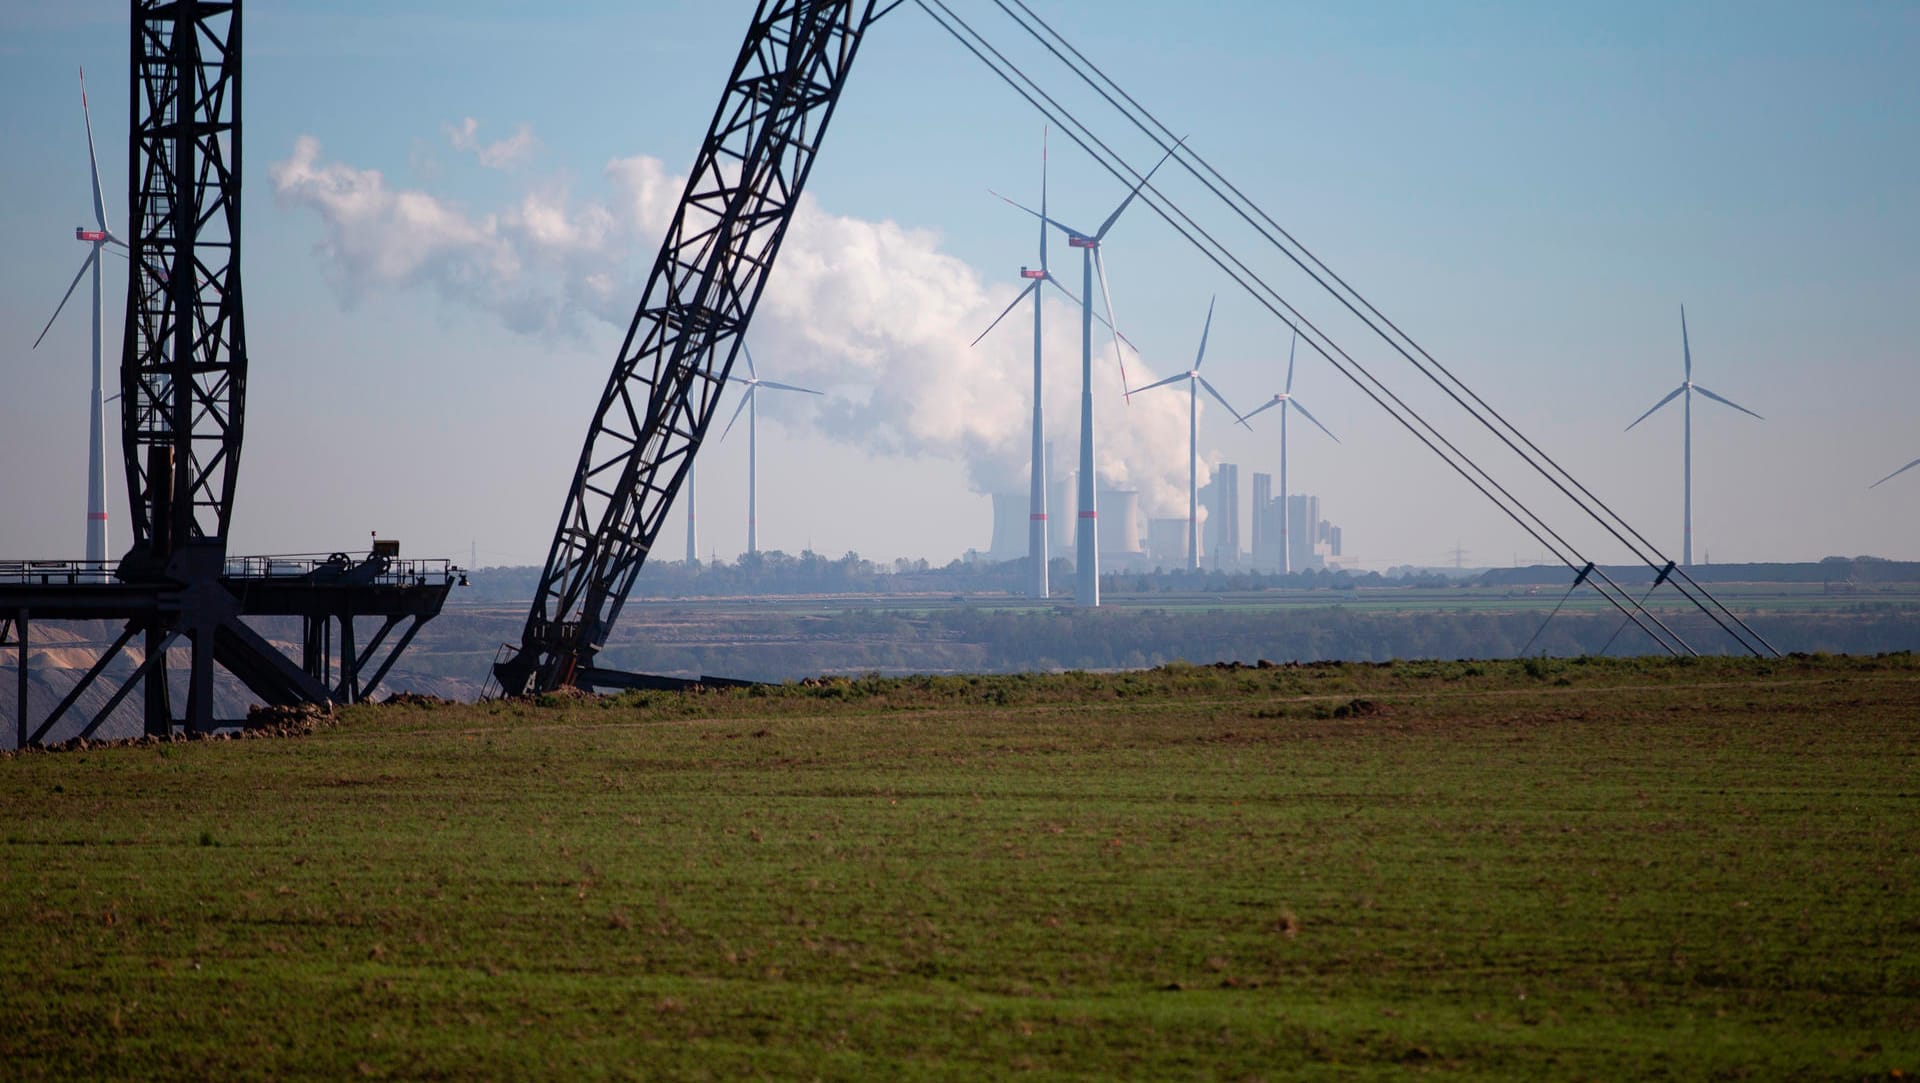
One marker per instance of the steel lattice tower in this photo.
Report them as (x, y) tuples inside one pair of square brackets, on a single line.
[(699, 297)]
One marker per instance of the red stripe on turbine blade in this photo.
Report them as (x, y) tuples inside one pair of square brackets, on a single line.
[(98, 515), (1089, 515), (1038, 518)]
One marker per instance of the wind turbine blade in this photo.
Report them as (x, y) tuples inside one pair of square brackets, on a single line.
[(736, 413), (1671, 395), (1895, 474), (1262, 408), (1071, 296), (1290, 348), (789, 387), (1686, 348), (86, 263), (1100, 268), (1017, 205), (1204, 332), (1726, 401), (749, 356), (1017, 298), (1221, 399), (1043, 198), (1160, 383), (99, 198), (1115, 216), (1315, 420)]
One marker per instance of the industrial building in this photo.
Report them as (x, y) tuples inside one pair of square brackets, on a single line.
[(1121, 528), (1220, 540)]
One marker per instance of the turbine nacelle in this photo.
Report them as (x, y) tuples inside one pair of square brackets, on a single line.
[(1082, 242), (1027, 273)]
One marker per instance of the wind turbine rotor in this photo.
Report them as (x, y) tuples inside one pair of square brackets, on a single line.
[(1671, 395), (1726, 401), (786, 387), (1895, 474), (1019, 297), (1175, 378), (85, 265), (1316, 421), (1219, 398), (1207, 329), (744, 399), (1100, 269)]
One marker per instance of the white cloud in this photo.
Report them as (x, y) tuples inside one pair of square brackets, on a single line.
[(506, 153), (873, 312)]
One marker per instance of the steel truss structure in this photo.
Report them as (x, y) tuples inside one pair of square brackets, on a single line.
[(183, 379), (700, 295)]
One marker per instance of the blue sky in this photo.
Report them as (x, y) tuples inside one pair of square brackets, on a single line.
[(1532, 190)]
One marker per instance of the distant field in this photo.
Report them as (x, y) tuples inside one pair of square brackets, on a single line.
[(1545, 870)]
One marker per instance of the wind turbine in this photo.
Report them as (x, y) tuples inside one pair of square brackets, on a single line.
[(1195, 382), (1688, 387), (753, 383), (96, 240), (1895, 474), (1286, 402), (1037, 555), (1086, 535)]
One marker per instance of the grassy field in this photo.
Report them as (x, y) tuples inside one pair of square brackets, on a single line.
[(1610, 870)]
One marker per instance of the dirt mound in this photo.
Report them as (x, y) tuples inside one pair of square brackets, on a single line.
[(416, 699), (297, 720)]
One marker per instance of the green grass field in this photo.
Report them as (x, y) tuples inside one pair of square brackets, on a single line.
[(1606, 871)]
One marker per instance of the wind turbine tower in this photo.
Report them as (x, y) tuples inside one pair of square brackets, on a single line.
[(1037, 555), (1286, 402), (1688, 388), (96, 240), (753, 385), (1086, 534), (1195, 382), (693, 549)]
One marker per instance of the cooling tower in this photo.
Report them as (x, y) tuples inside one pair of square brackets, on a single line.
[(1167, 542), (1119, 521), (1009, 527)]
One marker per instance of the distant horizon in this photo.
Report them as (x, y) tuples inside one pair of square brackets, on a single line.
[(441, 256)]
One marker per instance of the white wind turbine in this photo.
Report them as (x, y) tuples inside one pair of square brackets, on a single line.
[(753, 383), (1086, 534), (97, 240), (1286, 402), (1037, 556), (1688, 388), (1195, 382)]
